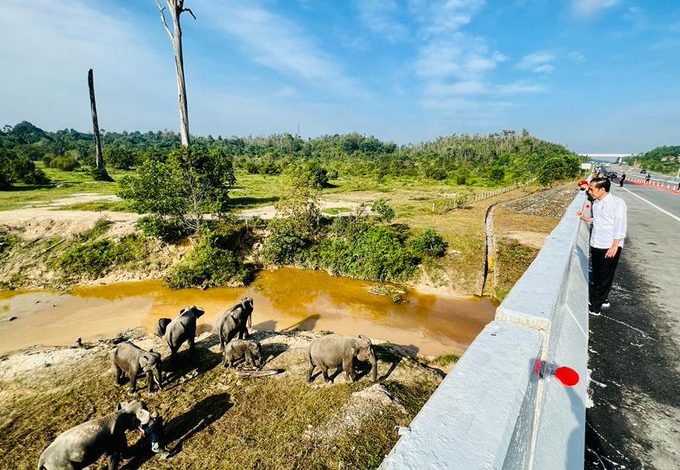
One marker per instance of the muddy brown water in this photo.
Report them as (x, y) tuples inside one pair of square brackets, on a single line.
[(284, 299)]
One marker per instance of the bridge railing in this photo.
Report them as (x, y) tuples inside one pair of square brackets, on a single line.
[(494, 411)]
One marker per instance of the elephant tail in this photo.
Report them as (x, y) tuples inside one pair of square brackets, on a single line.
[(162, 326)]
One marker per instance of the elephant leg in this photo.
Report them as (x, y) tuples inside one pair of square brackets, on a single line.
[(324, 371), (191, 340), (347, 366), (118, 372), (133, 383), (310, 371), (113, 460), (149, 379)]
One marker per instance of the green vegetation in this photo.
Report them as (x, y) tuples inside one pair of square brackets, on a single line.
[(513, 259), (93, 256), (664, 159), (191, 182), (93, 259), (212, 262), (445, 360)]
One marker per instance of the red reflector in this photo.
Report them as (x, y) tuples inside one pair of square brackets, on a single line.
[(567, 376)]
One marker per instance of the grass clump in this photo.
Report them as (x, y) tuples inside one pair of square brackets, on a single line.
[(213, 262), (98, 206), (445, 360)]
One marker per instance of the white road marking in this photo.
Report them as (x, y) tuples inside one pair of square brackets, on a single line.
[(653, 205)]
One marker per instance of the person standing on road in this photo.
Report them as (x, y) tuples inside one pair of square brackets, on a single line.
[(606, 240), (622, 179), (648, 177)]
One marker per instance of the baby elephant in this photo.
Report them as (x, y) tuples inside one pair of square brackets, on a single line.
[(333, 351), (82, 445), (129, 359), (250, 351)]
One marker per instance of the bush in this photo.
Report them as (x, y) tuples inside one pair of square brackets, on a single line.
[(92, 259), (210, 264), (375, 253), (170, 230), (287, 241), (384, 211), (65, 163), (428, 243)]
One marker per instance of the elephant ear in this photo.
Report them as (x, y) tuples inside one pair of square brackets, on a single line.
[(146, 361)]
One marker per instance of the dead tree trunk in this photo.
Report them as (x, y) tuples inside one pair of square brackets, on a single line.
[(176, 8), (100, 170)]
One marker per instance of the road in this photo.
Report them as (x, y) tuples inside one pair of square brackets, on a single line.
[(635, 172), (634, 353)]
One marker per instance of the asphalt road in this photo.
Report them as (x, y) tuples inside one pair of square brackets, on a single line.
[(634, 353)]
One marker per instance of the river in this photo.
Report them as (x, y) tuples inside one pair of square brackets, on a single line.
[(284, 299)]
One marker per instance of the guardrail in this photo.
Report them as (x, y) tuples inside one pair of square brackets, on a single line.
[(494, 411)]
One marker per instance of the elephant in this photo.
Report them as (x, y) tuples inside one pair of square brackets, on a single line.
[(180, 329), (333, 351), (129, 359), (234, 323), (82, 445), (250, 351)]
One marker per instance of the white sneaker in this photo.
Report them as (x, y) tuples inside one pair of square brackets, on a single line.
[(606, 304), (595, 314)]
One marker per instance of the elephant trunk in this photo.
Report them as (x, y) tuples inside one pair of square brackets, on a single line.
[(374, 366), (250, 320)]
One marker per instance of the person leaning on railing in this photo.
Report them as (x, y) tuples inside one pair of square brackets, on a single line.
[(609, 222)]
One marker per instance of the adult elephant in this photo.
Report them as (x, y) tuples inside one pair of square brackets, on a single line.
[(82, 445), (180, 329), (333, 351), (129, 359), (234, 323)]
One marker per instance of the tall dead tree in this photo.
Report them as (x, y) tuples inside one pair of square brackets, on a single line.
[(176, 8), (100, 169)]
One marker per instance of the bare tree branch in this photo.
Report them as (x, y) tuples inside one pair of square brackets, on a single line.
[(190, 12), (161, 9)]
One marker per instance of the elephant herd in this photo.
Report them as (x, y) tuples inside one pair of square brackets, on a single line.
[(84, 444)]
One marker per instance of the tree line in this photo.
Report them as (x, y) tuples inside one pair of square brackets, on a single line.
[(665, 159), (486, 160)]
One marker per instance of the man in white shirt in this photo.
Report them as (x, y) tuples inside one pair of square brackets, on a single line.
[(606, 239)]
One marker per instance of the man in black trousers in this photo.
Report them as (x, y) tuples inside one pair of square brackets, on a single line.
[(606, 240)]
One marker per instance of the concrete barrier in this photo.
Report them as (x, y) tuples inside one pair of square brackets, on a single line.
[(493, 411)]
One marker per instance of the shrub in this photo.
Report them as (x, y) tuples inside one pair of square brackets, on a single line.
[(428, 243), (170, 230), (384, 211), (208, 265), (375, 253), (287, 241), (92, 259), (65, 163)]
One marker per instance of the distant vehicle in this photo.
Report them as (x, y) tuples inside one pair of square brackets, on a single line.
[(612, 175), (643, 171)]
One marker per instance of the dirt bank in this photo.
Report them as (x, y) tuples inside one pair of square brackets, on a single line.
[(215, 417)]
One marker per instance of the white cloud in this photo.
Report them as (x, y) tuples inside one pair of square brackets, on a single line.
[(279, 44), (520, 87), (538, 62), (379, 16), (591, 7), (443, 16)]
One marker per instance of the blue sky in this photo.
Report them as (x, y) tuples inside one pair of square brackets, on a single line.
[(595, 75)]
